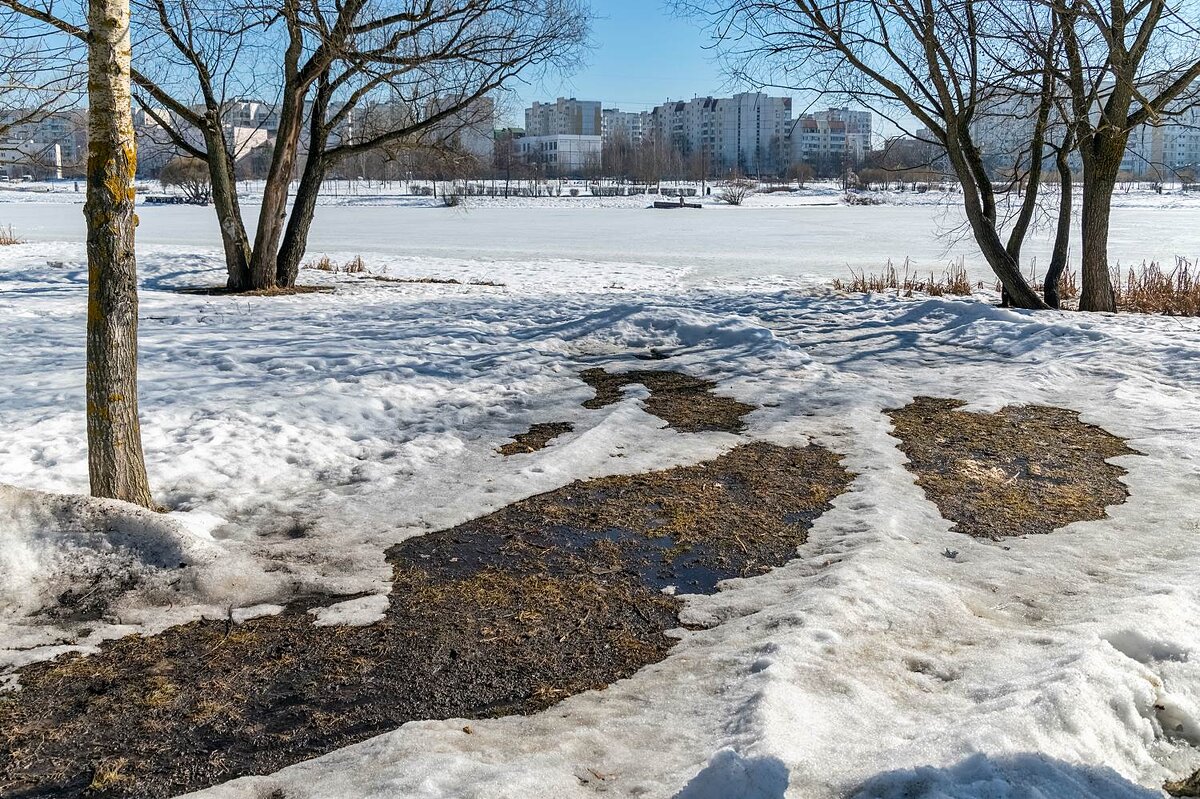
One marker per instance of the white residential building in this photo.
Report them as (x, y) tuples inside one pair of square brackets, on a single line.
[(561, 155), (564, 117), (633, 126), (743, 133)]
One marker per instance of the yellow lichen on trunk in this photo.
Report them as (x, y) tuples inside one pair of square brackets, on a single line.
[(115, 461)]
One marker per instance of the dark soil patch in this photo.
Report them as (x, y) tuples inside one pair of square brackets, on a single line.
[(1186, 787), (686, 403), (1024, 469), (537, 437), (509, 613), (437, 280), (278, 291)]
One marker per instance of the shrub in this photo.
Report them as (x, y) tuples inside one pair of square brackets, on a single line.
[(856, 198), (735, 192), (355, 266), (191, 176)]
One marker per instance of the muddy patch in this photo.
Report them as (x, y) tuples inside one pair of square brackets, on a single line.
[(537, 437), (686, 403), (508, 613), (1024, 469)]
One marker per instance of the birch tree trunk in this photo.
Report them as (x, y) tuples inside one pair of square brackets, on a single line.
[(115, 462)]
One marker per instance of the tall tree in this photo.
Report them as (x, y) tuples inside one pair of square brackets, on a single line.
[(115, 462), (1128, 63), (932, 60)]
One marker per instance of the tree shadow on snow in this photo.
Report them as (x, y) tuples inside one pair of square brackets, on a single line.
[(1027, 775)]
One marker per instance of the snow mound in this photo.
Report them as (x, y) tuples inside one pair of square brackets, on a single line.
[(89, 558)]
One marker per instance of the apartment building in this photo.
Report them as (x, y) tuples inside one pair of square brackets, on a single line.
[(564, 117), (633, 126), (830, 136), (744, 133), (44, 146)]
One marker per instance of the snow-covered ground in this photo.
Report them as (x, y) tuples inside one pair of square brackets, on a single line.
[(294, 439)]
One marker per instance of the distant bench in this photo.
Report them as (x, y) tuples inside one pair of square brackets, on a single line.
[(171, 199)]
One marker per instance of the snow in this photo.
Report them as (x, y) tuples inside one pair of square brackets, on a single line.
[(294, 439)]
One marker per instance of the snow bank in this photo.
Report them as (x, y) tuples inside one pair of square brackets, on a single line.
[(72, 561)]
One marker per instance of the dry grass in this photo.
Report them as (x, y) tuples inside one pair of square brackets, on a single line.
[(953, 281), (1025, 469), (355, 266), (7, 237), (108, 774), (1068, 284), (1151, 289)]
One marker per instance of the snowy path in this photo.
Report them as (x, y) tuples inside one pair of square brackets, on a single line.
[(298, 437)]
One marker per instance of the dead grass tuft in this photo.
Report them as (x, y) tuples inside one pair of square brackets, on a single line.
[(7, 237), (953, 281), (1153, 290), (108, 774)]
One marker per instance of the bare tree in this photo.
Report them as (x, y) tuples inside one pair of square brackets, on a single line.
[(115, 462), (327, 62), (191, 176), (932, 60), (1127, 63)]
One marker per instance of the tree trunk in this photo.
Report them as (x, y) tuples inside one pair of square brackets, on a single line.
[(979, 205), (273, 212), (115, 463), (304, 208), (1062, 234), (1100, 179), (229, 212)]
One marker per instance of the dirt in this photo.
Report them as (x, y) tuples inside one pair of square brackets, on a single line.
[(688, 404), (1025, 469), (1186, 787), (509, 613), (277, 291), (537, 437)]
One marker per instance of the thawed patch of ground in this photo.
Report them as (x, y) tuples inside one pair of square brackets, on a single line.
[(509, 613), (686, 403), (1024, 469), (538, 436)]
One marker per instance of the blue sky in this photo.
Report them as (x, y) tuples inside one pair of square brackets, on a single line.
[(643, 55)]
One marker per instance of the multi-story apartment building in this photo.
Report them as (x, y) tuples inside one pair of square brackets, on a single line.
[(564, 117), (830, 136), (43, 145), (744, 133), (633, 126)]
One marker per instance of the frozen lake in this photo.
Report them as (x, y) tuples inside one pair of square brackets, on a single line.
[(717, 242)]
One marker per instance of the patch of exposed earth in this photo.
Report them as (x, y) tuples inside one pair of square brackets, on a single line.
[(537, 437), (509, 613), (1024, 469), (688, 404)]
